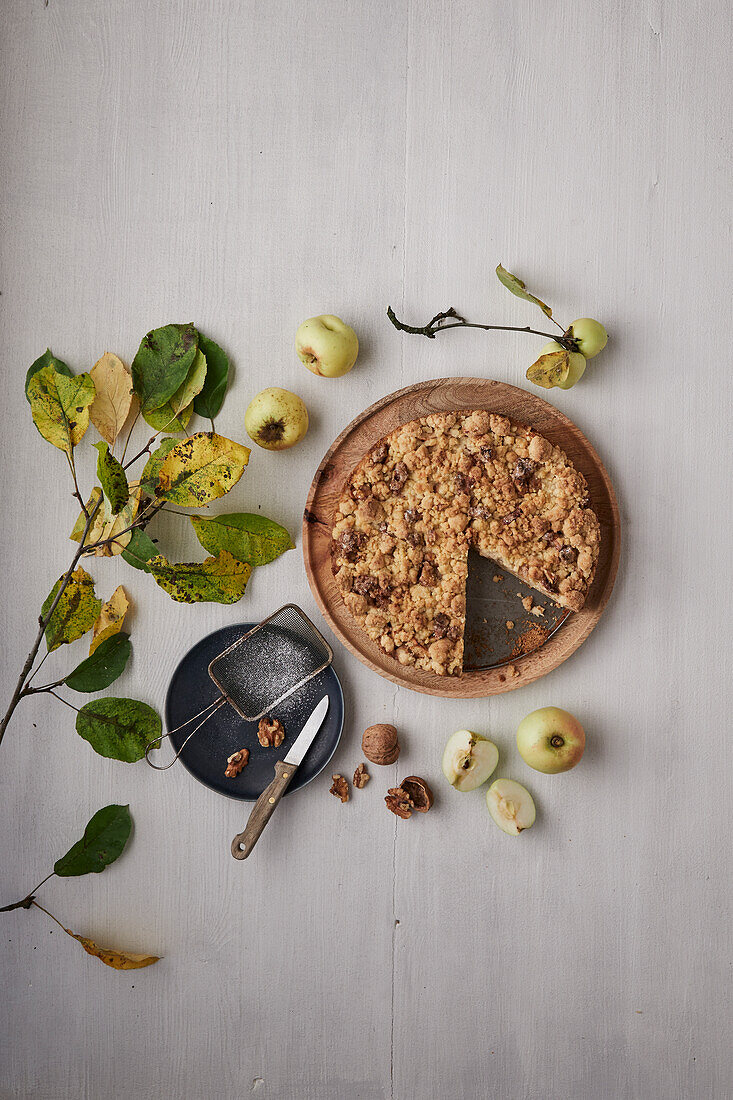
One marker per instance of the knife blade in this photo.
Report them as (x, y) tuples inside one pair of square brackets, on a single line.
[(265, 805), (304, 740)]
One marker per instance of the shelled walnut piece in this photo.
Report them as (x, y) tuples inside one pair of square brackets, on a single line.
[(340, 787), (236, 762), (380, 744), (270, 732), (361, 776)]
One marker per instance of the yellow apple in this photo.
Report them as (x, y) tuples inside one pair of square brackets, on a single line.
[(327, 346), (276, 419), (590, 336), (550, 740)]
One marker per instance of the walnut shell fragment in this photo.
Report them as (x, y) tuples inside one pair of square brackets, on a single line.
[(270, 732), (361, 776), (419, 793), (340, 787), (380, 744), (236, 762)]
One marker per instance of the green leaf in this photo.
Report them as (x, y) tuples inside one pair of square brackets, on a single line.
[(139, 550), (247, 536), (176, 413), (517, 287), (103, 667), (151, 473), (201, 469), (103, 842), (550, 370), (118, 728), (45, 360), (112, 478), (209, 401), (162, 362), (222, 579), (76, 611), (60, 406)]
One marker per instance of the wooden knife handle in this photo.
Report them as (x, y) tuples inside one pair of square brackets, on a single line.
[(263, 810)]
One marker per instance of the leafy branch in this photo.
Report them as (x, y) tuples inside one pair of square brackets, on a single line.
[(104, 840)]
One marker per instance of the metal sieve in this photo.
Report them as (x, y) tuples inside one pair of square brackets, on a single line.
[(266, 665)]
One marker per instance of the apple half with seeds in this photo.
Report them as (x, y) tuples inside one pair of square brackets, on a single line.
[(511, 806), (469, 760)]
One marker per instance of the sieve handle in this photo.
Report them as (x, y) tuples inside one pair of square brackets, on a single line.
[(263, 810)]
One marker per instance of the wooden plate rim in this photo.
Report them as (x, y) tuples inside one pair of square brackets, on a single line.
[(485, 682)]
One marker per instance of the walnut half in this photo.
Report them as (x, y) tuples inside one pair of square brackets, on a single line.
[(340, 787), (399, 802), (270, 732), (361, 776), (236, 762)]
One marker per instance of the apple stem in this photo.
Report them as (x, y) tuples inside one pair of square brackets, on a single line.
[(438, 324)]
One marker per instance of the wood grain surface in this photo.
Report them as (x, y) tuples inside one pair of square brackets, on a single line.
[(247, 165), (411, 403)]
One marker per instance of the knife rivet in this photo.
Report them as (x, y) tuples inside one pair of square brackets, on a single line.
[(271, 800), (285, 775)]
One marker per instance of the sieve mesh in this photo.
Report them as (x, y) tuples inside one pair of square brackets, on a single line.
[(271, 661)]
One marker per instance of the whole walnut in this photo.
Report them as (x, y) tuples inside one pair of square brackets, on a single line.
[(380, 745)]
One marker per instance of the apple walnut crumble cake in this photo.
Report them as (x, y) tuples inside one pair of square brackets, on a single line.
[(430, 490)]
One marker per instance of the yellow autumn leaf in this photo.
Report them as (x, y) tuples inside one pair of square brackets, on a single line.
[(118, 960), (111, 405), (106, 526), (111, 618), (550, 370), (200, 469), (60, 406)]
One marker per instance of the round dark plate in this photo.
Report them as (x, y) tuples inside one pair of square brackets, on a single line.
[(205, 756)]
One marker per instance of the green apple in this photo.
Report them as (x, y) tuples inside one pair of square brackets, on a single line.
[(590, 336), (469, 760), (550, 740), (511, 806), (327, 346), (577, 363), (276, 419)]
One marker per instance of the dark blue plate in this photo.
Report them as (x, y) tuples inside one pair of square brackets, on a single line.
[(224, 732)]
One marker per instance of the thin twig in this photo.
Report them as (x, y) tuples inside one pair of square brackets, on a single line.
[(46, 687), (438, 324), (77, 493), (64, 701), (129, 434), (39, 906), (43, 621)]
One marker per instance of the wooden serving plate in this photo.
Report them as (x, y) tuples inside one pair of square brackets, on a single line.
[(452, 395)]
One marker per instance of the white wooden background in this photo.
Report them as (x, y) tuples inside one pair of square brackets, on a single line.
[(246, 165)]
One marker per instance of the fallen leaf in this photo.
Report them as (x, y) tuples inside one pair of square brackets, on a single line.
[(60, 406), (222, 579), (120, 729), (76, 611), (48, 358), (104, 838), (176, 413), (209, 401), (111, 618), (550, 370), (118, 960), (105, 526), (162, 362), (103, 667), (200, 469), (249, 537), (112, 478), (517, 287), (111, 405)]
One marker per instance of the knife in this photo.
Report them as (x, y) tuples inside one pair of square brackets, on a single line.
[(264, 807)]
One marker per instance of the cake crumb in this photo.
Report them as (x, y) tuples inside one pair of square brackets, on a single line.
[(496, 578), (538, 611), (509, 624), (527, 603)]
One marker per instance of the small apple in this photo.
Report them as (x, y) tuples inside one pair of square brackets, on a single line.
[(590, 336), (550, 740), (577, 364), (511, 806), (327, 346), (469, 760), (276, 419)]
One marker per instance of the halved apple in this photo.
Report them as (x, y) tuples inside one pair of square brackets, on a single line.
[(469, 760), (511, 806)]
